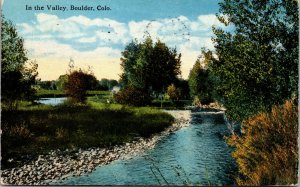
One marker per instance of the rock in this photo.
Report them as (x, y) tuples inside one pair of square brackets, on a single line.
[(21, 174)]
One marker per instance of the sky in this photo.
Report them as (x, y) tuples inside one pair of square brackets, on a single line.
[(95, 38)]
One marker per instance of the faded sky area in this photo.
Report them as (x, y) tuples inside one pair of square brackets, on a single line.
[(97, 38)]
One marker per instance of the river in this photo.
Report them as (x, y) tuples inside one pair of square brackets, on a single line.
[(196, 154), (52, 101)]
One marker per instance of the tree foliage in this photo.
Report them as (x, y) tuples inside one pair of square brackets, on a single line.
[(133, 97), (61, 82), (107, 84), (200, 79), (183, 85), (17, 72), (173, 92), (78, 83), (149, 67), (48, 85), (267, 152), (257, 63)]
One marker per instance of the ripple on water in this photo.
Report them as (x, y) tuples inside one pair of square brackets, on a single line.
[(196, 154)]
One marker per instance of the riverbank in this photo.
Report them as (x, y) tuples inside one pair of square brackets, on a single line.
[(212, 107), (57, 165)]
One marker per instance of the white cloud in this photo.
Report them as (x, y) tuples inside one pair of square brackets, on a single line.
[(177, 31), (56, 38), (87, 40), (46, 48), (26, 28), (52, 24), (77, 28), (209, 20)]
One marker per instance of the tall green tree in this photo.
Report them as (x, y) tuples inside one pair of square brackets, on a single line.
[(150, 67), (18, 74), (200, 79), (128, 61), (257, 64), (61, 82)]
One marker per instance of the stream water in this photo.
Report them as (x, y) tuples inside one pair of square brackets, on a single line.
[(196, 154), (52, 101)]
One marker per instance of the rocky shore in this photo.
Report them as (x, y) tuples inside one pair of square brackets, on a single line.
[(212, 107), (58, 164)]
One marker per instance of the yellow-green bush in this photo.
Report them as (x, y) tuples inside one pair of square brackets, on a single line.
[(267, 153), (21, 131)]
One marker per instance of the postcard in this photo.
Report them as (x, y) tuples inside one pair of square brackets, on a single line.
[(149, 92)]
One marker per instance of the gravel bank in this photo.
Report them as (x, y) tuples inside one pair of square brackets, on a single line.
[(58, 164)]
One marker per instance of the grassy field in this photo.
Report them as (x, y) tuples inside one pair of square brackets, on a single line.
[(37, 129), (58, 93), (104, 96)]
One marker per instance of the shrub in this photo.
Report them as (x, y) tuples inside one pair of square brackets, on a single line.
[(78, 84), (173, 92), (61, 134), (21, 131), (266, 153), (133, 96)]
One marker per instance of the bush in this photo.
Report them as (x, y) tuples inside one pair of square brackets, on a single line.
[(266, 153), (133, 96), (78, 84), (173, 92)]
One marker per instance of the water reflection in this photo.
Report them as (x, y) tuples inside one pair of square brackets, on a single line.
[(52, 101), (196, 154)]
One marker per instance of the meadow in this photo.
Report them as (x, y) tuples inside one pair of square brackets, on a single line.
[(36, 129)]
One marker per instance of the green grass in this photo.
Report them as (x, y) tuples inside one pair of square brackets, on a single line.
[(49, 93), (37, 129), (59, 93)]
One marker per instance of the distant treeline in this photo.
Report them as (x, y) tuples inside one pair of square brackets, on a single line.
[(103, 84)]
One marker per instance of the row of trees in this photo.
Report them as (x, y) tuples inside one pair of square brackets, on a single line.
[(59, 84), (142, 64)]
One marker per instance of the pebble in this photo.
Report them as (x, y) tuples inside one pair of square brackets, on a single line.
[(58, 165)]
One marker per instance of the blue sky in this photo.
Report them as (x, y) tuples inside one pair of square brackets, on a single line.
[(96, 38)]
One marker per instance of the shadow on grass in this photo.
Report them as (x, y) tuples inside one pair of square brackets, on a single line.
[(37, 129)]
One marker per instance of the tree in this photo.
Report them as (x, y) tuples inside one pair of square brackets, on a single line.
[(164, 67), (18, 74), (149, 67), (128, 60), (78, 83), (48, 85), (183, 85), (173, 92), (61, 82), (92, 82), (258, 60), (200, 79), (107, 84)]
